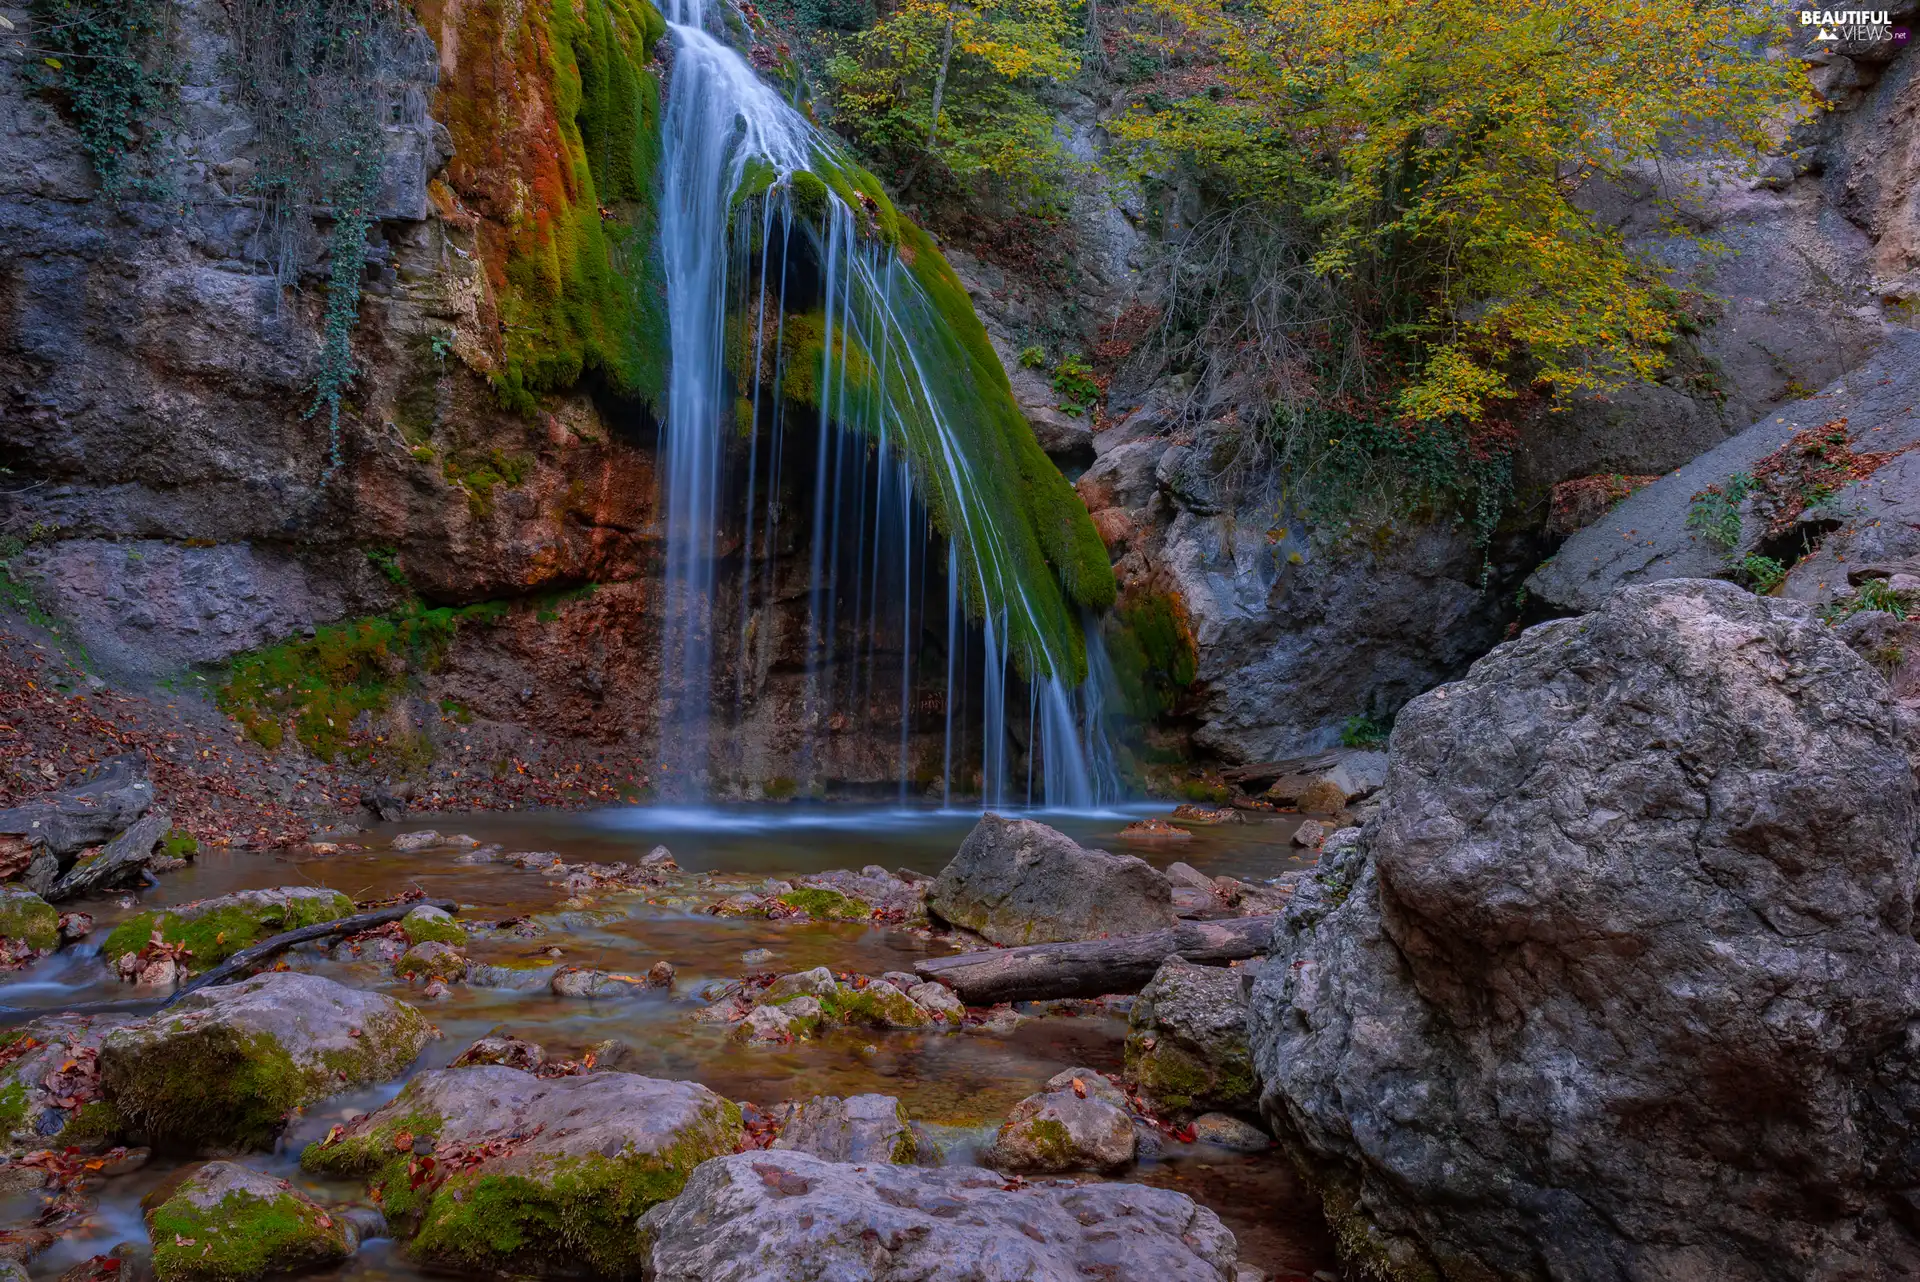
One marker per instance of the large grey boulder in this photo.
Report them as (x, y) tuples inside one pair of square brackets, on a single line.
[(529, 1175), (1186, 1046), (1621, 982), (1016, 881), (792, 1217), (223, 1067)]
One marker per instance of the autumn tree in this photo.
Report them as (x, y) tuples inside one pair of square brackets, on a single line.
[(1432, 162), (948, 87)]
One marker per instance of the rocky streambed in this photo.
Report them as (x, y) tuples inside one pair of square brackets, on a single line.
[(622, 1030)]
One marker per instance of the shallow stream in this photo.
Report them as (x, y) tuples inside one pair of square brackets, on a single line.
[(960, 1083)]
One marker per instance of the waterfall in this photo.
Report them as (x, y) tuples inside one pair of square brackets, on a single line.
[(742, 209)]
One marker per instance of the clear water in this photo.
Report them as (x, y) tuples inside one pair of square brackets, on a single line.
[(966, 1082)]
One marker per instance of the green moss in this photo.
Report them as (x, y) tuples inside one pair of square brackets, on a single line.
[(420, 929), (93, 1123), (240, 1238), (875, 1006), (320, 684), (13, 1107), (218, 1084), (214, 935), (822, 904), (554, 113), (430, 964), (1153, 652), (29, 919), (179, 844), (486, 1221), (197, 1083), (809, 196), (1051, 1143), (1177, 1080)]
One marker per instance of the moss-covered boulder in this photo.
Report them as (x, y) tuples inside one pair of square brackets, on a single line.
[(429, 925), (223, 1067), (29, 925), (1064, 1131), (431, 960), (215, 929), (226, 1223), (49, 1084), (1187, 1049), (529, 1175)]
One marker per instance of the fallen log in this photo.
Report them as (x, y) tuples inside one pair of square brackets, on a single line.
[(252, 956), (1094, 967), (232, 966)]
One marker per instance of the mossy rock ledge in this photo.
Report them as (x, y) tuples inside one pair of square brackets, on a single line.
[(27, 919), (530, 1176), (228, 1223), (1187, 1050), (215, 929), (222, 1068), (1062, 1130)]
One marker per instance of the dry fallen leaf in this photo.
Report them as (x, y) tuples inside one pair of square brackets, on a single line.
[(1079, 1088)]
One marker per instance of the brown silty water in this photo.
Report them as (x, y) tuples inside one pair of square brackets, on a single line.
[(962, 1084)]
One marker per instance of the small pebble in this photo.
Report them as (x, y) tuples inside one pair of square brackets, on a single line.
[(757, 956)]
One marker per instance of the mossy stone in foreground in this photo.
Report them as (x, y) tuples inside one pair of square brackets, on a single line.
[(215, 929), (566, 1165), (429, 925), (227, 1223), (223, 1067), (1187, 1048), (26, 918)]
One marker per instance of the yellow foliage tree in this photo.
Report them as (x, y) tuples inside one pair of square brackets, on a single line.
[(949, 84), (1440, 150)]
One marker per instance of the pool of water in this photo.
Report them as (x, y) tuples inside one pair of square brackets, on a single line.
[(961, 1083)]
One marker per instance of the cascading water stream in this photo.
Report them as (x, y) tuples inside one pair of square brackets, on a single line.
[(886, 446)]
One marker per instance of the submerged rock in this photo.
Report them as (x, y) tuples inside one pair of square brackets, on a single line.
[(793, 1217), (1186, 1048), (1064, 1130), (581, 981), (1619, 982), (860, 1128), (517, 975), (224, 1066), (1222, 1130), (227, 1223), (818, 982), (529, 1175), (1015, 881), (510, 1052), (212, 930)]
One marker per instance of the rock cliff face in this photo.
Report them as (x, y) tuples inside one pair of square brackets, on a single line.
[(1620, 982), (177, 497)]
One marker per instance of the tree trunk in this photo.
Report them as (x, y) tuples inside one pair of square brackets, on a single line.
[(940, 84), (1094, 967)]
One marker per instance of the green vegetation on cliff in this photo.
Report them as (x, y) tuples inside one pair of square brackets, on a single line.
[(555, 121), (1027, 550)]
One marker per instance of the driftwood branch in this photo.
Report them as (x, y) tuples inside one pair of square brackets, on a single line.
[(252, 956), (1094, 967)]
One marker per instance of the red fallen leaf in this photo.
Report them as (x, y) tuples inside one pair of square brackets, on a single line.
[(403, 1141)]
